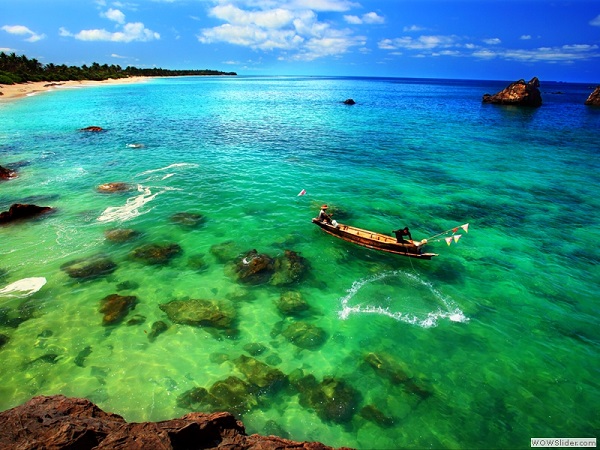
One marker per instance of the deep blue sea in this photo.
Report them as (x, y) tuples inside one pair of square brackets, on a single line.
[(491, 343)]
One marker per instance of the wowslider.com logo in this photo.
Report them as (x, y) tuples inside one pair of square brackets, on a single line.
[(564, 442)]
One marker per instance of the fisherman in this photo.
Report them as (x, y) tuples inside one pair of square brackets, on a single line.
[(400, 233), (323, 216)]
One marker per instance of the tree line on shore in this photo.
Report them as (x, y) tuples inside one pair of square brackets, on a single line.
[(20, 69)]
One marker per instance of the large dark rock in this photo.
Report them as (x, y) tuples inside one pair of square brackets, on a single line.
[(7, 174), (289, 268), (518, 93), (255, 268), (18, 211), (58, 422), (305, 335), (332, 399), (594, 98)]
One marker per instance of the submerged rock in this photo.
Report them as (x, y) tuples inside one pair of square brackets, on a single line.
[(7, 174), (260, 374), (349, 101), (225, 251), (291, 303), (110, 188), (82, 355), (115, 307), (332, 399), (71, 423), (398, 374), (594, 98), (373, 414), (19, 211), (305, 335), (158, 328), (188, 220), (233, 394), (200, 313), (121, 234), (3, 340), (156, 253), (91, 267), (255, 348), (289, 268), (518, 93)]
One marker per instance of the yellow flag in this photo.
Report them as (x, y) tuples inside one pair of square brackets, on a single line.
[(465, 227), (449, 240)]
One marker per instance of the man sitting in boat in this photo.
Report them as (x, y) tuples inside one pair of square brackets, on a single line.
[(400, 233), (323, 216)]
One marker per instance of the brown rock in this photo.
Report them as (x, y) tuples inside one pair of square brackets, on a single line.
[(93, 129), (115, 307), (594, 98), (19, 211), (518, 93), (60, 422), (7, 174)]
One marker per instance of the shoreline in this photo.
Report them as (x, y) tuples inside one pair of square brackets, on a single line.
[(28, 89)]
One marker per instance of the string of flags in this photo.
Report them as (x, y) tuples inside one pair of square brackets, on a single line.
[(456, 237)]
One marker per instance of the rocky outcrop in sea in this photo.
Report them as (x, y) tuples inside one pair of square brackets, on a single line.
[(20, 211), (594, 98), (518, 93), (76, 423)]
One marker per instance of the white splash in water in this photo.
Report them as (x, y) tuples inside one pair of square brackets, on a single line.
[(24, 287), (132, 208), (449, 311)]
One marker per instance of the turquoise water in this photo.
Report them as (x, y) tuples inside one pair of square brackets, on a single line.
[(491, 343)]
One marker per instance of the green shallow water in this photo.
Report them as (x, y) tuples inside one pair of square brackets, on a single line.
[(500, 329)]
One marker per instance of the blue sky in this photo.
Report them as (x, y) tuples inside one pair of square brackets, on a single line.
[(468, 39)]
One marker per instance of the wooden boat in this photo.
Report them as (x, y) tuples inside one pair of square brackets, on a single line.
[(376, 241)]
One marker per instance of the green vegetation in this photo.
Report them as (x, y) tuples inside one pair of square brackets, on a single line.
[(20, 69)]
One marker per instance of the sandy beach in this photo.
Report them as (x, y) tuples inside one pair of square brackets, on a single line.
[(15, 91)]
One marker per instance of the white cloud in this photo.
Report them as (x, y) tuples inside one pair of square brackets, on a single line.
[(412, 28), (323, 5), (115, 15), (525, 37), (21, 30), (373, 18), (127, 32), (492, 41), (454, 46), (353, 20), (420, 43), (595, 22), (292, 27), (369, 18)]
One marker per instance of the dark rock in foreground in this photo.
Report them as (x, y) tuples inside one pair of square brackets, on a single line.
[(115, 307), (518, 93), (61, 422), (21, 212), (349, 101), (594, 98), (7, 174)]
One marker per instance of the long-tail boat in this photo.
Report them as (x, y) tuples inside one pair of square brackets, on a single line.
[(376, 241)]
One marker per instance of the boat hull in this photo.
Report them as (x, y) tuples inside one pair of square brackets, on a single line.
[(375, 241)]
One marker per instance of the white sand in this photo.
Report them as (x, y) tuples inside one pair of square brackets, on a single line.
[(15, 91)]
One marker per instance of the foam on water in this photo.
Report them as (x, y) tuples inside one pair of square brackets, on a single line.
[(447, 307), (131, 209), (23, 288)]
